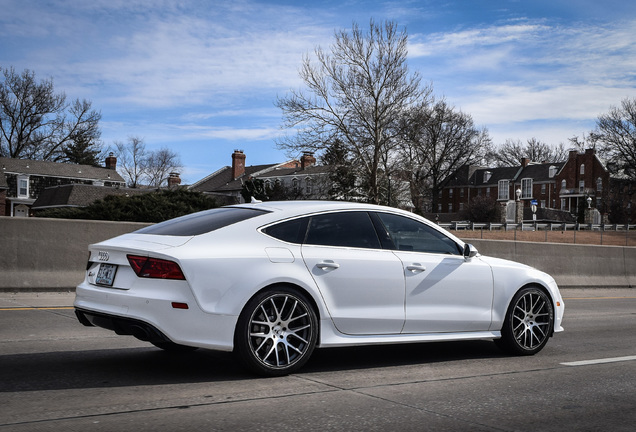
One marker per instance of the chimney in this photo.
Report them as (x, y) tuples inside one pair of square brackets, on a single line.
[(238, 164), (307, 160), (174, 180), (573, 154), (111, 161), (525, 162)]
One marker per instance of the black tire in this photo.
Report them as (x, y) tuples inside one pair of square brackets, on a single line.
[(529, 322), (276, 332), (173, 347)]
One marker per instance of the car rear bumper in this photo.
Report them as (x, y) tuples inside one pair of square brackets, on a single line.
[(122, 326), (151, 315)]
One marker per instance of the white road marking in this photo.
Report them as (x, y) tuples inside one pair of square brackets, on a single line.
[(599, 361)]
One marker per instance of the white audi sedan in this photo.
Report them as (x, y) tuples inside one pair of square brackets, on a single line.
[(273, 281)]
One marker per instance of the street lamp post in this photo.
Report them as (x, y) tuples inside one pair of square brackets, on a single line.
[(519, 208)]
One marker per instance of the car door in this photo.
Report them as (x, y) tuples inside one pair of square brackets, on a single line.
[(445, 292), (362, 284)]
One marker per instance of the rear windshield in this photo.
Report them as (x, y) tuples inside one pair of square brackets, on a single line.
[(201, 222)]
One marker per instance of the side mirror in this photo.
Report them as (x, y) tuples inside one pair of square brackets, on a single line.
[(470, 251)]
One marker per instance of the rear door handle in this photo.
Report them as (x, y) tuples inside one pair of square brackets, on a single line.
[(327, 265), (416, 268)]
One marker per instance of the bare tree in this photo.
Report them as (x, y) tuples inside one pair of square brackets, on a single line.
[(159, 164), (131, 160), (616, 134), (37, 123), (355, 95), (142, 167), (437, 141), (512, 152)]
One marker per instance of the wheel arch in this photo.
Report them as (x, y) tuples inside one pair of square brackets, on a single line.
[(541, 287), (503, 300), (306, 293)]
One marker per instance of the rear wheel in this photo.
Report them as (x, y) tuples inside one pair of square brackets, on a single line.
[(276, 332), (528, 324)]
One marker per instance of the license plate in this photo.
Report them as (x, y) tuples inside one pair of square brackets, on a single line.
[(106, 274)]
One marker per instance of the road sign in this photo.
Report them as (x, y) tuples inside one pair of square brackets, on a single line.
[(534, 202)]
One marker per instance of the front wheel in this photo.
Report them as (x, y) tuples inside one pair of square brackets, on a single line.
[(528, 324), (276, 332)]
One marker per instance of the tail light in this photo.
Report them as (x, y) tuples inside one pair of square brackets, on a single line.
[(146, 267)]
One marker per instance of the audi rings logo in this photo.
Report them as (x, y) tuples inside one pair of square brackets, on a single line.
[(103, 256)]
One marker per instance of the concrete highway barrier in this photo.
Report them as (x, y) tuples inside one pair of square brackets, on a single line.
[(50, 254), (38, 254), (571, 265)]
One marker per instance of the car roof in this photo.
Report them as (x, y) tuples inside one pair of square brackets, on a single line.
[(292, 208)]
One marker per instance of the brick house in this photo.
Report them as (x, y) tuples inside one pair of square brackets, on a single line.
[(583, 175), (561, 186), (226, 183), (22, 181)]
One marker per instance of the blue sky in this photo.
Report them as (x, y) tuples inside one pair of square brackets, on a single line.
[(201, 77)]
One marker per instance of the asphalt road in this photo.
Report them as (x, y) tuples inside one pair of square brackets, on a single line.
[(58, 375)]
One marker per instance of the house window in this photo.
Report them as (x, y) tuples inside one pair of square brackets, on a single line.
[(542, 203), (552, 171), (450, 193), (487, 176), (599, 184), (581, 186), (488, 192), (582, 171), (504, 190), (295, 184), (563, 184), (543, 189), (308, 184), (23, 187), (461, 193), (439, 208), (526, 188), (450, 207), (461, 206), (563, 204)]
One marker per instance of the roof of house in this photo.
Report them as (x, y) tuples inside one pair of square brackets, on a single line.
[(496, 174), (477, 176), (56, 169), (282, 172), (79, 195), (222, 180), (540, 171)]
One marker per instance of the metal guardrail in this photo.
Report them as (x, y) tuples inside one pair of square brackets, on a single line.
[(601, 233), (456, 226)]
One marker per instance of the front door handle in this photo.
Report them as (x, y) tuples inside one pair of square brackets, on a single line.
[(327, 265), (416, 268)]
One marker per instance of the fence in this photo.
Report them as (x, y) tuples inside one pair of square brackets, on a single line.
[(602, 234)]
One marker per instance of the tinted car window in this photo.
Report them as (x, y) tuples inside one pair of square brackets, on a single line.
[(410, 235), (291, 231), (350, 229), (201, 222)]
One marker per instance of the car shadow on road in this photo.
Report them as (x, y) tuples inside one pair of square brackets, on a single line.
[(124, 367), (378, 356)]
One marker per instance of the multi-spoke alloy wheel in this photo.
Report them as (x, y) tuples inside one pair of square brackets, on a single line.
[(276, 332), (529, 322)]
